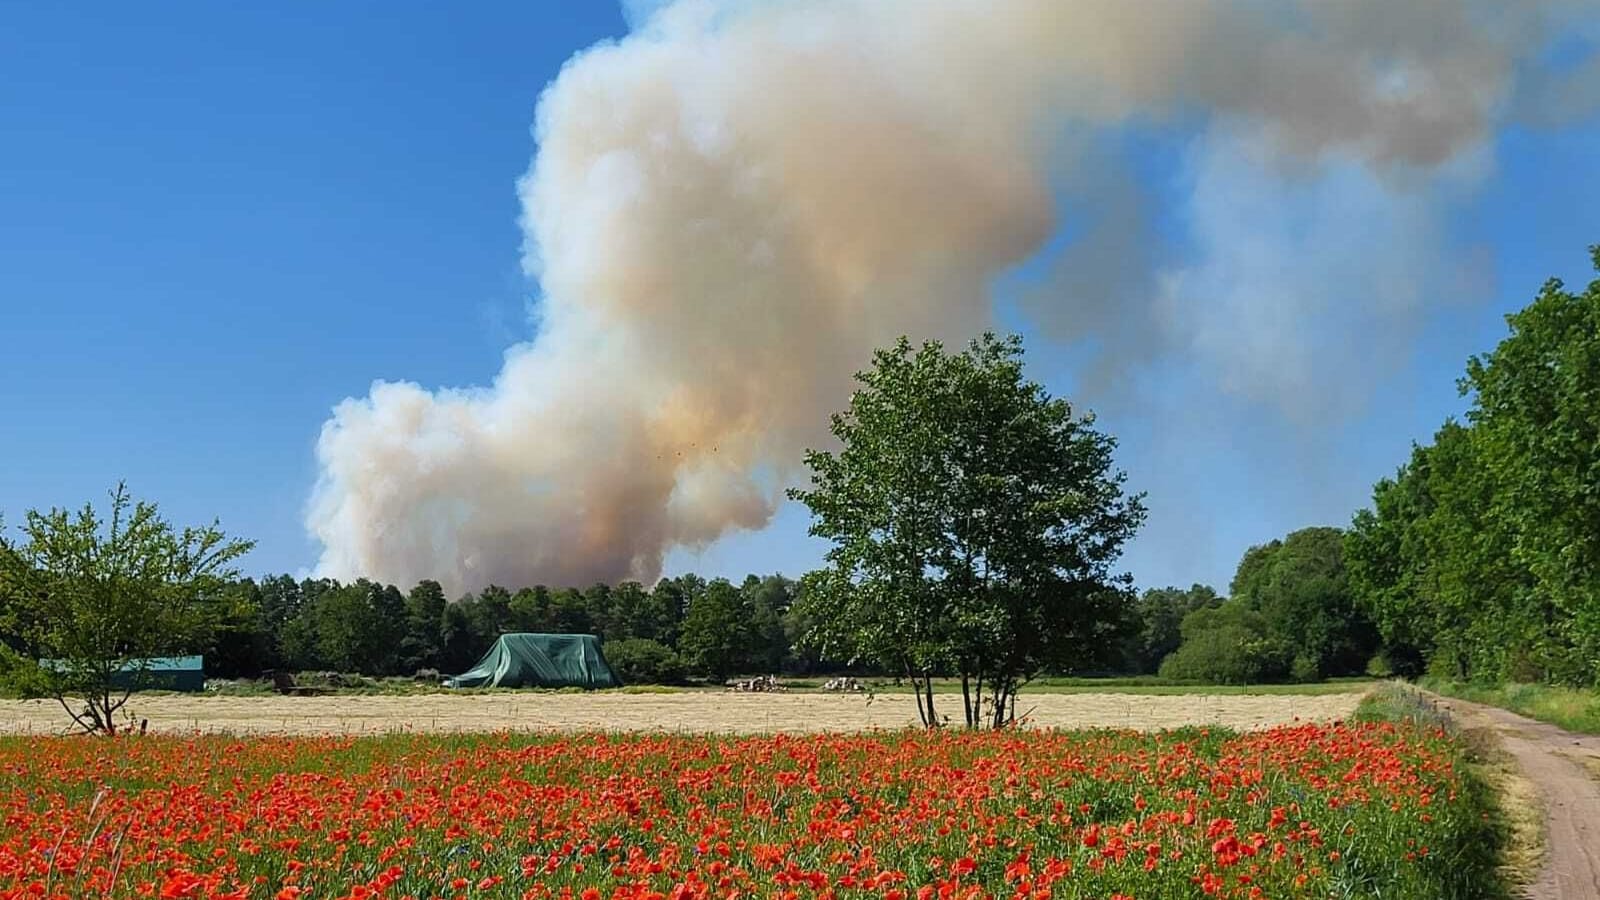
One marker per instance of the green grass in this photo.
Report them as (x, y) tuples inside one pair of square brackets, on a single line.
[(1392, 701), (1512, 814), (1574, 709)]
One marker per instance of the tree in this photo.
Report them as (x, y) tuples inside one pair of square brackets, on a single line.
[(638, 613), (716, 631), (101, 596), (974, 521), (241, 645), (1431, 566), (1536, 417), (765, 602), (643, 661), (530, 610), (1227, 644), (459, 647), (1300, 587), (422, 648), (1481, 556), (1159, 616), (569, 612)]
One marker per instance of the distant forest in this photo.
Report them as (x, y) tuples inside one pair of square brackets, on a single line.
[(1294, 618)]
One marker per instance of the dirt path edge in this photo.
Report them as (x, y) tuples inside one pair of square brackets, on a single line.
[(1553, 759)]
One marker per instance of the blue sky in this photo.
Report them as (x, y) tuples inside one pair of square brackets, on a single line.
[(216, 223)]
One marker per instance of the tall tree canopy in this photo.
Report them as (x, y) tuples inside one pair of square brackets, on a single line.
[(100, 595), (1482, 555), (1159, 616), (1300, 587), (975, 521)]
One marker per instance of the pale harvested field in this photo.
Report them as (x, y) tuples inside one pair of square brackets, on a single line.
[(692, 712)]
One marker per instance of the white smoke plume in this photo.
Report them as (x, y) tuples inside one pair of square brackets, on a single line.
[(733, 205)]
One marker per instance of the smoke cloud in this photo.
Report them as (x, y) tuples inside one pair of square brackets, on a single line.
[(733, 205)]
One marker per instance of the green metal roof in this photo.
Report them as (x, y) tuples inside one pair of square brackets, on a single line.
[(162, 664)]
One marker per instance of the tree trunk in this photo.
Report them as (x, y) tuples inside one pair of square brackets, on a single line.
[(916, 691)]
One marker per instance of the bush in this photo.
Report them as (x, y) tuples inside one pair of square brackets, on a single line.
[(1379, 666), (643, 661), (20, 676), (1224, 656), (1305, 669), (1227, 644)]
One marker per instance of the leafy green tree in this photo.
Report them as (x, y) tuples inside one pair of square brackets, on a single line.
[(670, 599), (638, 613), (349, 632), (1481, 556), (1430, 566), (1536, 416), (422, 647), (569, 612), (1300, 587), (101, 595), (974, 520), (490, 612), (460, 647), (530, 610), (602, 618), (716, 631), (1159, 616), (766, 600), (241, 644), (1227, 644)]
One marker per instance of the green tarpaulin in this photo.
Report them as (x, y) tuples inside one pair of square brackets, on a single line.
[(541, 660)]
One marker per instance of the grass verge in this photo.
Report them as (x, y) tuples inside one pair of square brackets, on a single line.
[(1574, 709), (1512, 810)]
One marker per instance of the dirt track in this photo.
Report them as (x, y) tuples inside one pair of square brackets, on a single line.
[(1554, 761), (713, 712)]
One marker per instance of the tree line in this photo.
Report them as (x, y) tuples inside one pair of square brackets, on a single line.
[(682, 627), (1480, 558)]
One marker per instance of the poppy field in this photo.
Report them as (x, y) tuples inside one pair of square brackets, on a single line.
[(1306, 810)]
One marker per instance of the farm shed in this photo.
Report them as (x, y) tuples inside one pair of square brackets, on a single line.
[(171, 673), (541, 660)]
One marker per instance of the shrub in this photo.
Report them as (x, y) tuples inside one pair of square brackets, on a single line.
[(1379, 666), (1224, 656), (1305, 668), (20, 676), (643, 661), (1227, 644)]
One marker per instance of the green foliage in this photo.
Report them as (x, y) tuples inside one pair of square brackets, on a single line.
[(1227, 644), (1300, 587), (1380, 666), (639, 661), (241, 643), (101, 594), (1292, 615), (974, 522), (1159, 615), (422, 647), (1575, 709), (716, 631), (1480, 559), (21, 676)]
